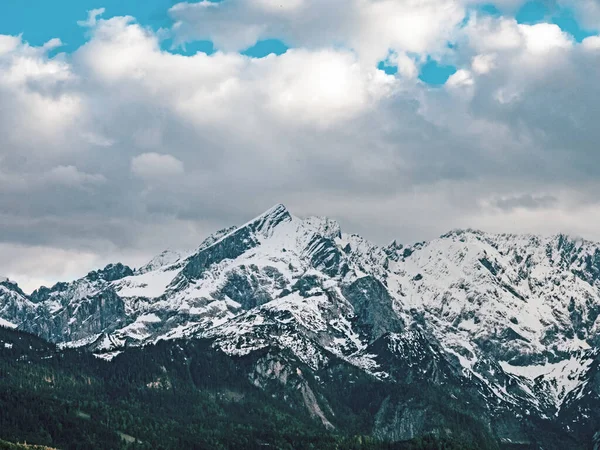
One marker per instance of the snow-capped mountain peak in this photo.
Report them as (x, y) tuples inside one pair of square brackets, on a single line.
[(165, 258), (518, 311)]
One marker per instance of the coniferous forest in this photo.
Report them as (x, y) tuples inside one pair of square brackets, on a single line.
[(167, 396)]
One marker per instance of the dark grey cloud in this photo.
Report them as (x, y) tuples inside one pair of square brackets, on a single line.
[(526, 201)]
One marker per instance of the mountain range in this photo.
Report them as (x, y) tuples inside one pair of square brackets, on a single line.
[(492, 335)]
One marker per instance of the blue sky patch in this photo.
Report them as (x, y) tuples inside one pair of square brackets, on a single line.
[(490, 10), (532, 12), (435, 73), (389, 69), (266, 47)]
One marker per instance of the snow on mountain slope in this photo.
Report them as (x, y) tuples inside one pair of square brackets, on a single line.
[(527, 302), (166, 258), (15, 307), (148, 284), (7, 324), (563, 377), (232, 271), (519, 313)]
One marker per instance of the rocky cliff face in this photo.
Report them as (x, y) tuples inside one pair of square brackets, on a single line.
[(507, 325), (14, 304)]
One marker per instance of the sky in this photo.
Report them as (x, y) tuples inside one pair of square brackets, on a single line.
[(130, 127)]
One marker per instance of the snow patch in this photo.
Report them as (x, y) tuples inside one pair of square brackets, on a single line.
[(108, 356), (6, 324)]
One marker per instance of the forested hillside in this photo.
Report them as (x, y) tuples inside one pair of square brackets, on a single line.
[(174, 395)]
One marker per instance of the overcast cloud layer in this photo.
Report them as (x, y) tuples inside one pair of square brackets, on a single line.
[(121, 149)]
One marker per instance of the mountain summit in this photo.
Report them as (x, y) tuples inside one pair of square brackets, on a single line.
[(508, 325)]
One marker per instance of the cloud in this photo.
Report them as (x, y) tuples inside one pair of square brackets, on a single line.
[(460, 78), (372, 28), (321, 86), (97, 139), (483, 63), (526, 201), (53, 263), (40, 182), (52, 44), (490, 34), (71, 176), (318, 86), (544, 37), (39, 102), (152, 166), (92, 18), (407, 67), (587, 12), (591, 43), (9, 43), (122, 148)]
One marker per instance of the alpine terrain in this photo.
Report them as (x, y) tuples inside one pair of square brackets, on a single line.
[(487, 339)]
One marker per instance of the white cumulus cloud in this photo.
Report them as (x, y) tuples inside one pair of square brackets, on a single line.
[(122, 147)]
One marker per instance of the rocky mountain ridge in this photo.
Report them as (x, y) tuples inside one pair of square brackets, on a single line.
[(509, 321)]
